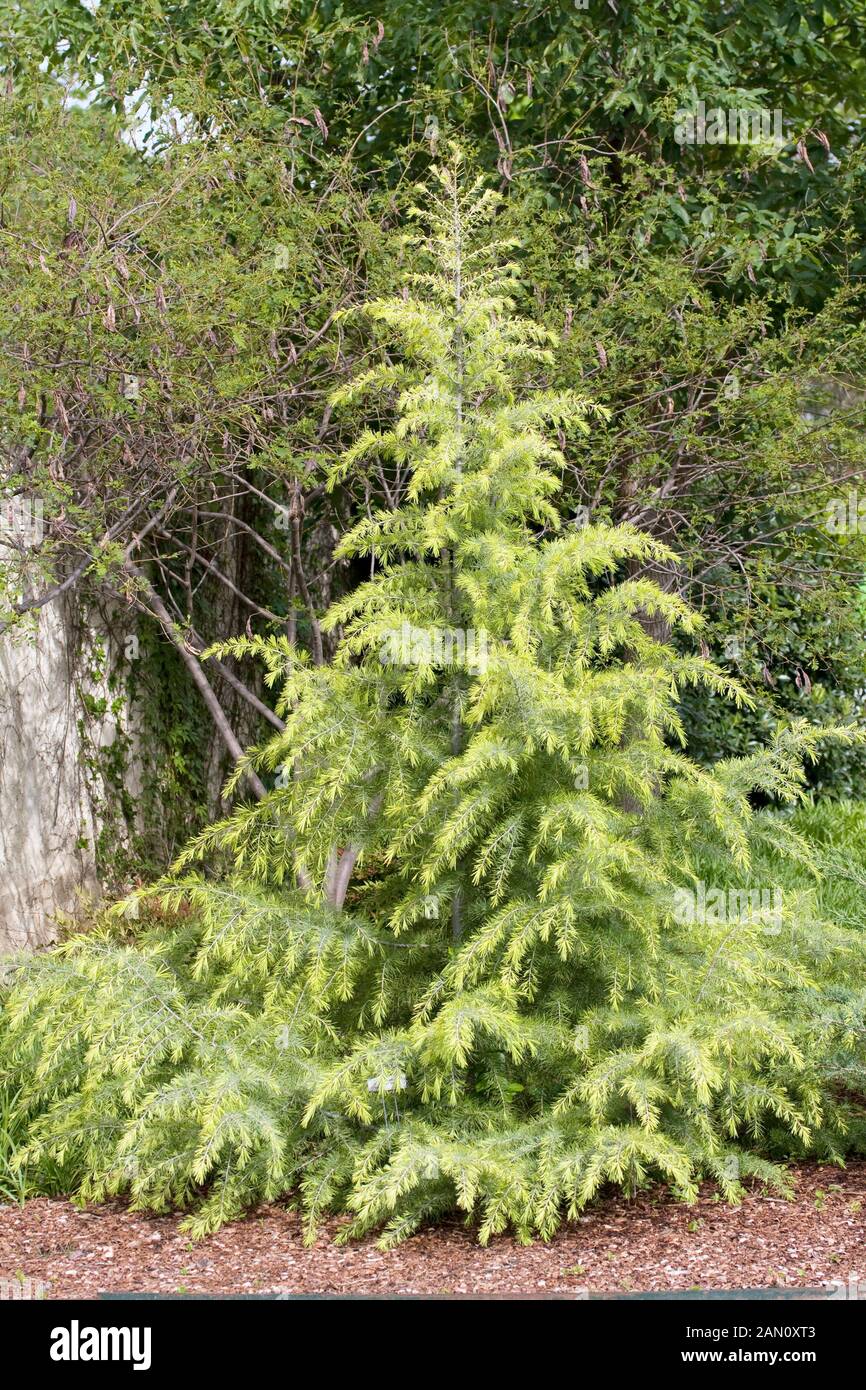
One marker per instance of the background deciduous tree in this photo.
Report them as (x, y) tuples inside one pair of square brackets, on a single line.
[(212, 185)]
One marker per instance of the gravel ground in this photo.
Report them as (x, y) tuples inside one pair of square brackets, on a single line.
[(618, 1246)]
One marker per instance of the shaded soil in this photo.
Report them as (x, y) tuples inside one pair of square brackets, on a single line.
[(618, 1246)]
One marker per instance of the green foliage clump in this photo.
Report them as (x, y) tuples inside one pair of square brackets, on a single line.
[(493, 941)]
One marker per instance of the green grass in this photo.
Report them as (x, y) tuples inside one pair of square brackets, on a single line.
[(17, 1182), (13, 1180)]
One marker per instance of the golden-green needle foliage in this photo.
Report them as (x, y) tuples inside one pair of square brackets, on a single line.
[(492, 941)]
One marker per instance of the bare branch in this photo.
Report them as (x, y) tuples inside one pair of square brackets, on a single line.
[(199, 678)]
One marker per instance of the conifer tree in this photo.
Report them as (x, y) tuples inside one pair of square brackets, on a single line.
[(449, 966)]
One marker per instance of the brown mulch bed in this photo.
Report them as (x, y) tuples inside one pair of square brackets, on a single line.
[(617, 1246)]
